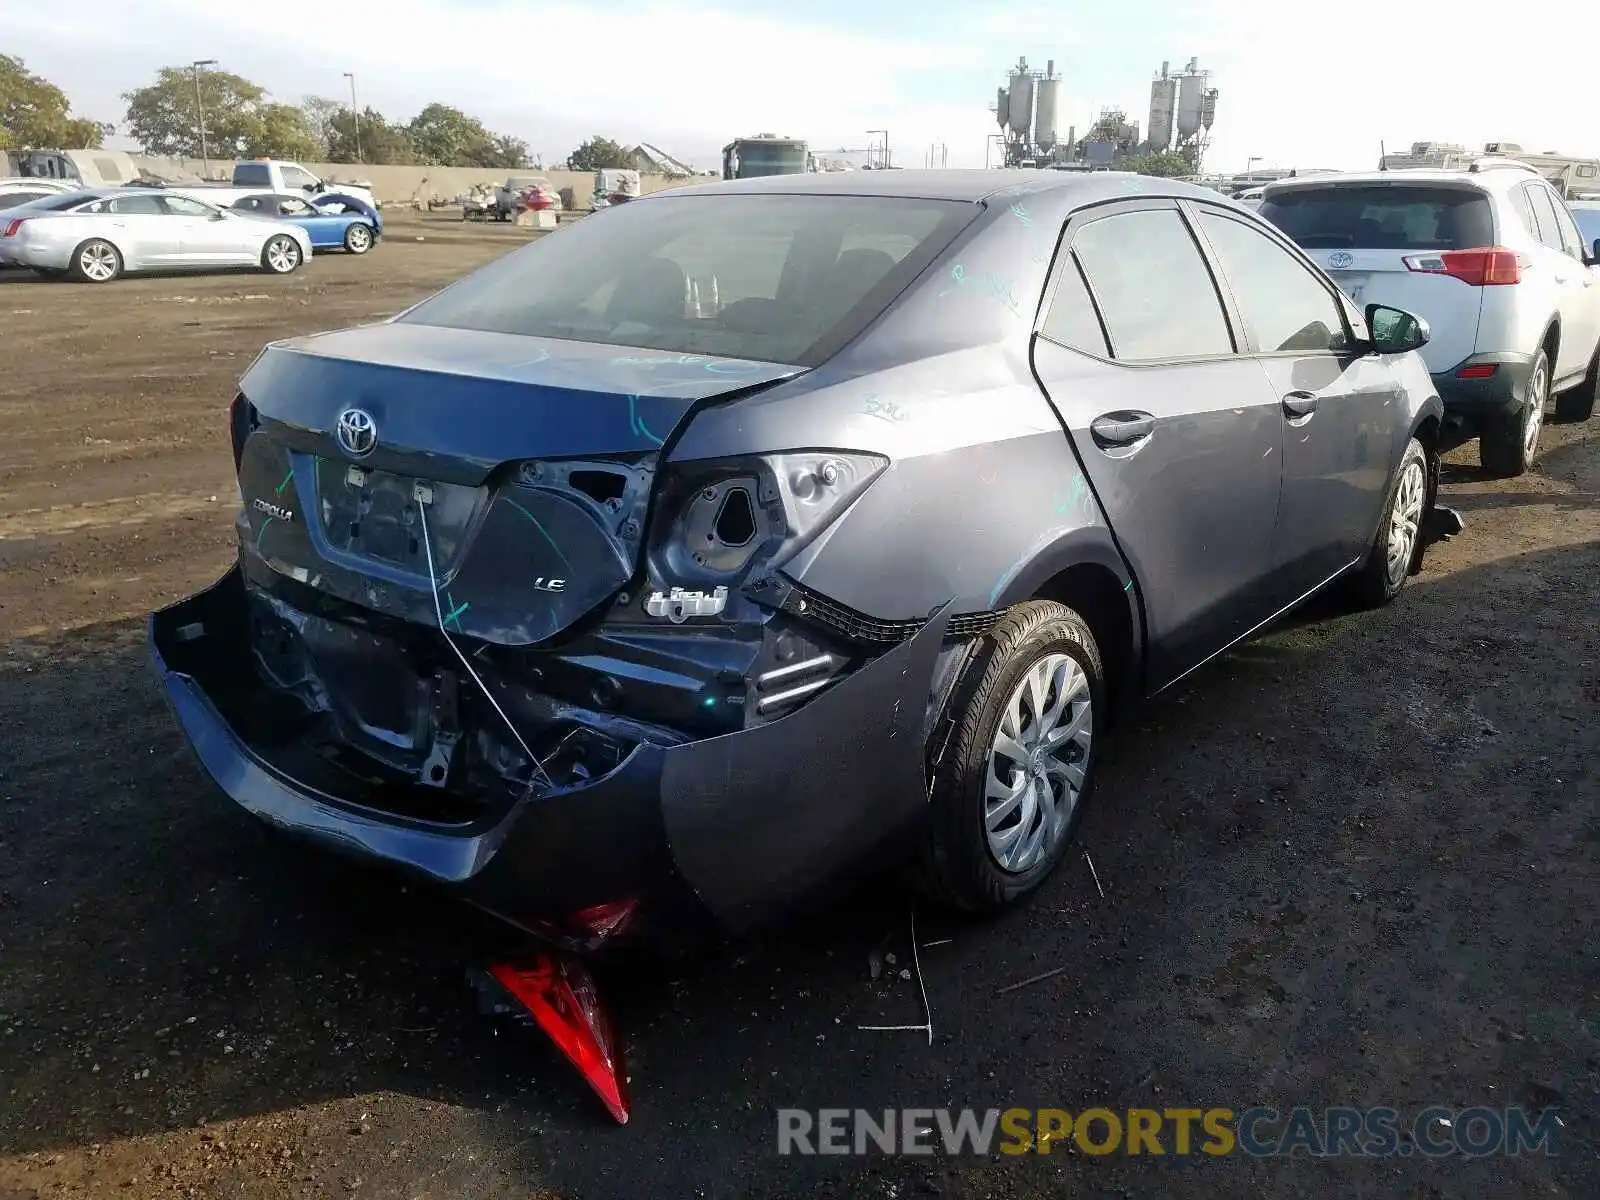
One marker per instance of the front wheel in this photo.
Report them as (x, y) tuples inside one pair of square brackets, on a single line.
[(1021, 737), (281, 255), (1507, 445), (358, 239), (1393, 553)]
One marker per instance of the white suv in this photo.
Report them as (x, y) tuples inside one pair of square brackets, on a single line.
[(1491, 258)]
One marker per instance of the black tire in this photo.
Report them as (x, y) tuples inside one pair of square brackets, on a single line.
[(289, 249), (1374, 582), (98, 250), (358, 238), (1503, 447), (1576, 405), (956, 868)]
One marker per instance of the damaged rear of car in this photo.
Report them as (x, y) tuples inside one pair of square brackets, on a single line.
[(495, 623)]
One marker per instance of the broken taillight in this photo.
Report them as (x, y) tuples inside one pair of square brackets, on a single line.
[(559, 994), (1480, 266)]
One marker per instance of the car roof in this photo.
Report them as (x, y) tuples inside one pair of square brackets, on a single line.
[(1510, 172), (973, 185)]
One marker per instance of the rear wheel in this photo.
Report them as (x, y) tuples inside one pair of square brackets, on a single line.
[(1577, 404), (1021, 737), (281, 255), (358, 238), (96, 261), (1508, 444)]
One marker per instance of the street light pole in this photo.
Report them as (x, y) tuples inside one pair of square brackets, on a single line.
[(200, 107), (1250, 167), (355, 113)]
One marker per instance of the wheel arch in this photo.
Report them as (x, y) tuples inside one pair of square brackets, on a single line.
[(129, 262), (1085, 572)]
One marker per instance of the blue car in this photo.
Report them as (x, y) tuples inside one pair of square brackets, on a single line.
[(334, 221)]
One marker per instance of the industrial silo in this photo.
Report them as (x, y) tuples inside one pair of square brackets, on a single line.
[(1163, 106), (1191, 99), (1047, 108), (1208, 110), (1019, 92)]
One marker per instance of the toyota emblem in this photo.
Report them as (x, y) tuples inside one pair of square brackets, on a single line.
[(1341, 259), (357, 432)]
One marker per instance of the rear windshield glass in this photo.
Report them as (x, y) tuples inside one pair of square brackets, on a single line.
[(1382, 217), (786, 279)]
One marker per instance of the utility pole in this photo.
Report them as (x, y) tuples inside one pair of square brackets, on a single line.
[(200, 106), (355, 113)]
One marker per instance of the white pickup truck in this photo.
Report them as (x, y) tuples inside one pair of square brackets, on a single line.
[(270, 175)]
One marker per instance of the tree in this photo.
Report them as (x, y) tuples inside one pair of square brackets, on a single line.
[(34, 113), (505, 151), (447, 137), (380, 142), (1168, 164), (282, 131), (320, 113), (599, 153), (164, 117)]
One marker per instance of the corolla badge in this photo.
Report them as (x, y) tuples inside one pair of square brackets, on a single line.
[(1340, 259), (357, 432)]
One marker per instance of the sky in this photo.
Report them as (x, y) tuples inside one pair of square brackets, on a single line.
[(1306, 86)]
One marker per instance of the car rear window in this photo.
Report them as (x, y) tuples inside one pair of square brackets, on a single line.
[(786, 279), (1382, 217), (59, 202)]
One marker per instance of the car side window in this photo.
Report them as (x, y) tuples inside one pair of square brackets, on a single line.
[(248, 204), (1523, 207), (1072, 319), (291, 207), (1571, 239), (1285, 305), (1152, 287), (182, 206), (1545, 210), (296, 178), (144, 206)]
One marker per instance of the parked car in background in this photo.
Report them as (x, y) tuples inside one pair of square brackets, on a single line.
[(23, 190), (334, 222), (94, 236), (1587, 214), (1492, 259), (271, 175), (563, 593)]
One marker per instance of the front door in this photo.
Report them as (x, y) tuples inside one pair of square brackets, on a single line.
[(206, 239), (1342, 410), (1180, 436)]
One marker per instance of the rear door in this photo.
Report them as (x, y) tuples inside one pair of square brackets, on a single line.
[(1342, 409), (1578, 300), (148, 234), (1361, 233), (1180, 436)]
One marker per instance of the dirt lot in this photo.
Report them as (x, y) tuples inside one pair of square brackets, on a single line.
[(1355, 863)]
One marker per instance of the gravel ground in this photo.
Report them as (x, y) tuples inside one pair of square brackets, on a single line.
[(1354, 863)]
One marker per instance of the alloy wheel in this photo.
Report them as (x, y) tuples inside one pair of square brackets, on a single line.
[(1538, 388), (282, 255), (99, 262), (1405, 516), (1036, 764)]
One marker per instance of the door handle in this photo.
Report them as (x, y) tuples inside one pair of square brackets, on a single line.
[(1299, 404), (1121, 429)]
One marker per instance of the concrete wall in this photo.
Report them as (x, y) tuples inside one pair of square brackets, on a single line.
[(399, 184)]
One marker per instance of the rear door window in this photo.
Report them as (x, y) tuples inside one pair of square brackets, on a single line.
[(1545, 210), (1285, 305), (1382, 217), (1566, 231), (1152, 287), (144, 206), (1523, 207), (1072, 319)]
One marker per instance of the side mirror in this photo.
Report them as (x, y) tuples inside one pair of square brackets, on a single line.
[(1395, 331)]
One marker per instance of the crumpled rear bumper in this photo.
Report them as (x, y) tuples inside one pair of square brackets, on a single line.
[(739, 827)]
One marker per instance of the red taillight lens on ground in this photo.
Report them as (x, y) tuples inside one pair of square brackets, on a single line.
[(559, 994), (1478, 371), (1481, 266), (13, 225)]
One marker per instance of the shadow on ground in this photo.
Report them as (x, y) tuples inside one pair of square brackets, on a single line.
[(1353, 863)]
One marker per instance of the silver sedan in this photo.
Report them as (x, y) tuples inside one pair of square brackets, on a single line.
[(96, 235)]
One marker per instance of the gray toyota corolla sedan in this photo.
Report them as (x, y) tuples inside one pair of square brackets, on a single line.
[(691, 558)]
